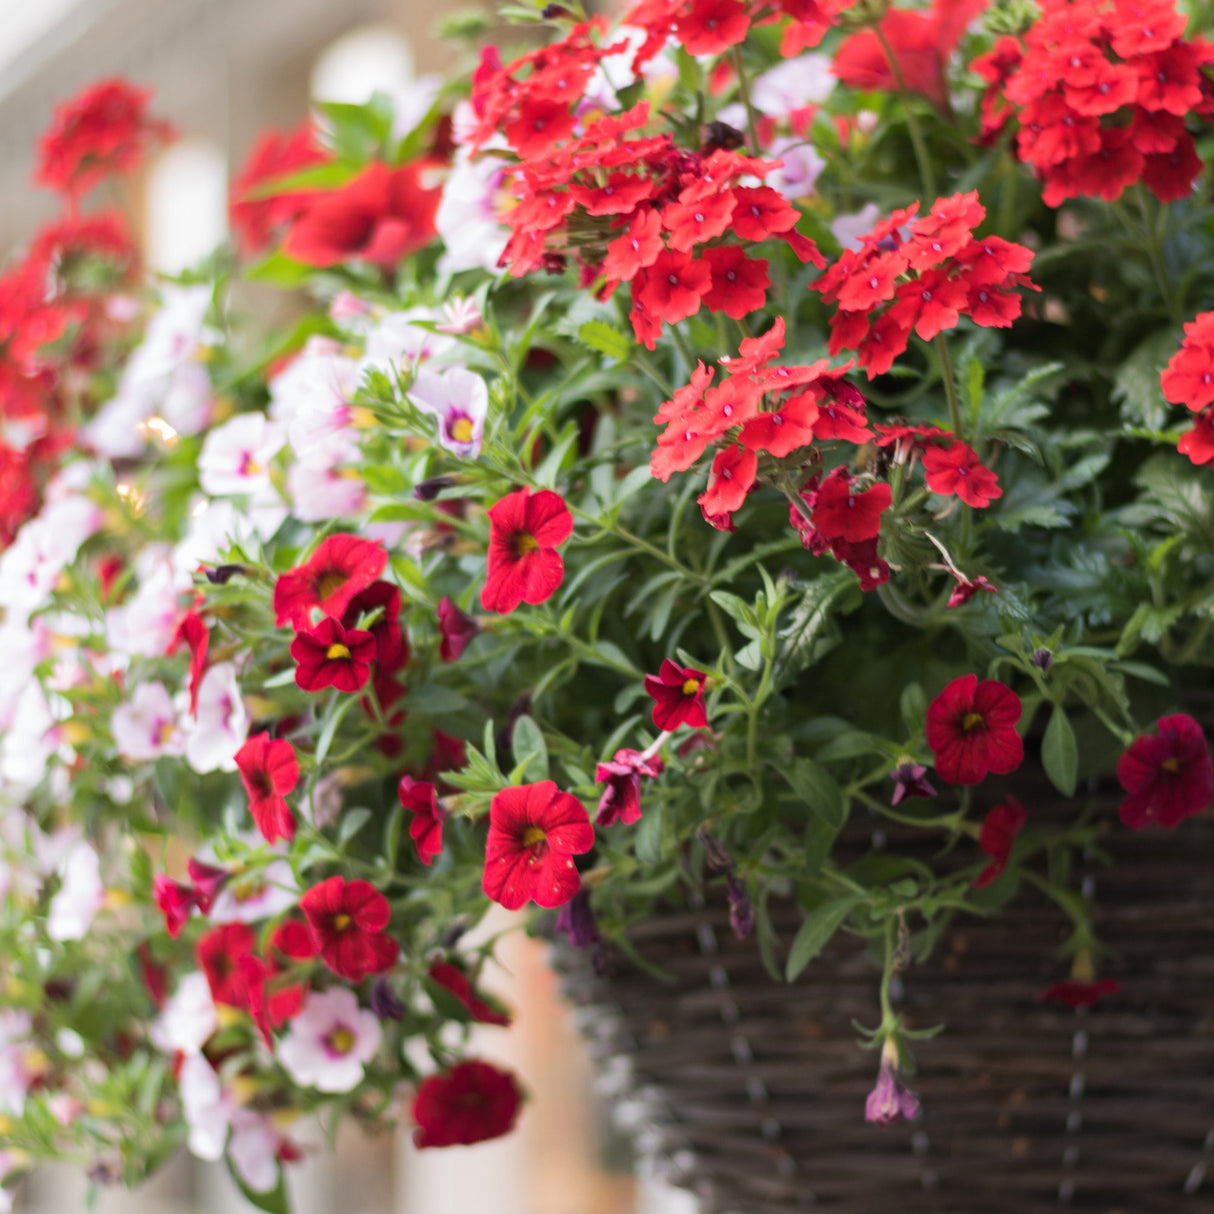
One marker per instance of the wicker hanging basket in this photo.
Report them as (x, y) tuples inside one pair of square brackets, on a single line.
[(752, 1092)]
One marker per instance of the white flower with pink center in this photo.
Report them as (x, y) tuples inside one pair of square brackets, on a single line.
[(470, 216), (42, 550), (459, 398), (330, 1041), (189, 1017), (235, 459), (325, 490), (80, 896), (146, 624), (254, 894), (222, 724), (148, 725), (397, 338), (798, 176), (311, 396)]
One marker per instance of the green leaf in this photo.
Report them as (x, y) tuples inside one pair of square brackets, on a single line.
[(1059, 754), (819, 839), (273, 1201), (352, 821), (819, 790), (649, 834), (325, 741), (529, 749), (814, 934), (914, 708), (606, 339), (435, 700)]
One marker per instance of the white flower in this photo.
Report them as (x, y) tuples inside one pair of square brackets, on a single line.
[(849, 228), (222, 724), (794, 84), (146, 624), (148, 725), (321, 491), (256, 894), (330, 1041), (32, 738), (459, 399), (80, 896), (461, 316), (469, 216), (253, 1149), (189, 1017), (235, 459), (207, 1110), (311, 397), (43, 548), (397, 338), (797, 177), (412, 102)]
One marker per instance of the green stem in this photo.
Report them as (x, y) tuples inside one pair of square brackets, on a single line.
[(744, 89), (643, 545), (950, 383), (1155, 254), (888, 1019), (924, 160)]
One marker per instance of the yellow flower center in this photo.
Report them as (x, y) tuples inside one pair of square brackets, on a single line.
[(336, 651), (341, 1040), (525, 542), (691, 687), (461, 430), (1172, 765), (341, 922), (970, 720), (328, 582), (533, 835)]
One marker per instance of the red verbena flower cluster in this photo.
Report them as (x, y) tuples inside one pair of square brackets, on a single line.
[(832, 518), (1102, 93), (1188, 380), (921, 275)]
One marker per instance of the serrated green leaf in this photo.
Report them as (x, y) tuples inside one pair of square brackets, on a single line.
[(606, 339)]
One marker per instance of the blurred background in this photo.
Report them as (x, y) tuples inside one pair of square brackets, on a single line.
[(223, 71)]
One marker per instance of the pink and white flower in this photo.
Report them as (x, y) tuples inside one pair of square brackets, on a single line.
[(148, 725), (258, 893), (459, 398), (80, 896), (330, 1041), (235, 458), (189, 1017), (222, 724)]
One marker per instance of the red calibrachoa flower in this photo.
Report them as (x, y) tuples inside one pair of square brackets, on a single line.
[(271, 1002), (999, 830), (220, 953), (678, 694), (971, 728), (341, 566), (455, 982), (1167, 776), (535, 830), (208, 881), (347, 919), (257, 221), (382, 599), (269, 771), (621, 799), (456, 630), (524, 567), (1077, 994), (176, 902), (331, 656), (197, 637), (102, 131), (472, 1102), (426, 827)]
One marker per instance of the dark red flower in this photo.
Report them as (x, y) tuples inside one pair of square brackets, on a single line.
[(524, 567), (621, 799), (456, 629), (678, 693), (347, 919), (535, 830), (1167, 776), (1078, 994), (854, 517), (104, 130), (453, 980), (208, 881), (999, 830), (381, 216), (220, 953), (329, 656), (194, 632), (341, 566), (471, 1102), (269, 771), (965, 590), (910, 781), (426, 827), (382, 601), (176, 902), (971, 727)]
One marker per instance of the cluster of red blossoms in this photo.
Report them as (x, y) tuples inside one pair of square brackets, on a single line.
[(671, 222), (929, 276), (1102, 91), (1188, 380)]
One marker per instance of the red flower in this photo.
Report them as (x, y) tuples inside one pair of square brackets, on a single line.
[(672, 287), (455, 628), (966, 589), (471, 1102), (1188, 378), (453, 980), (391, 645), (739, 283), (957, 469), (347, 919), (524, 566), (208, 881), (1198, 443), (220, 953), (194, 632), (854, 517), (712, 26), (733, 474), (176, 903), (341, 566), (678, 693), (781, 432), (621, 800), (329, 656), (257, 221), (381, 216), (1078, 994), (971, 729), (269, 770), (104, 130), (1167, 777), (999, 830), (426, 828), (535, 830)]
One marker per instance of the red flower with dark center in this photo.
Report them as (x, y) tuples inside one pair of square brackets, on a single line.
[(999, 830), (102, 131), (956, 468), (220, 953), (456, 630), (472, 1102), (712, 26), (341, 566), (971, 727), (197, 637), (347, 919), (535, 830), (739, 283), (426, 827), (269, 771), (383, 601), (453, 980), (524, 567), (621, 799), (783, 431), (329, 656), (693, 223), (1167, 776), (381, 216), (176, 903), (1076, 994), (678, 693)]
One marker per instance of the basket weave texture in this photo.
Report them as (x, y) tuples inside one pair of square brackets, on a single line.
[(752, 1092)]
